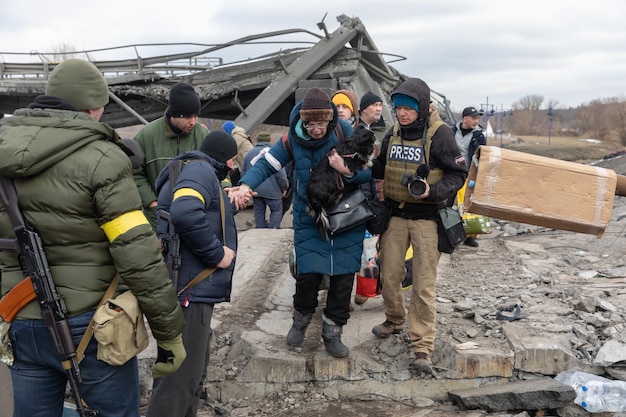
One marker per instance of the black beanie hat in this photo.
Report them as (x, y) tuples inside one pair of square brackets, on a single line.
[(316, 106), (184, 101), (219, 145), (368, 99)]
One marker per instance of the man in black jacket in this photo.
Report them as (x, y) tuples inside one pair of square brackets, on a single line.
[(419, 141)]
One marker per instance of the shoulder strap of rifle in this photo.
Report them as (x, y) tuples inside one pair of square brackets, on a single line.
[(173, 169)]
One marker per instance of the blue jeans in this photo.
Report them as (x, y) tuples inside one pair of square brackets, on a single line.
[(276, 212), (39, 380)]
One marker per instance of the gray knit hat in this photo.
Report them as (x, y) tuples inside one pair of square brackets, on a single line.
[(264, 137), (79, 83)]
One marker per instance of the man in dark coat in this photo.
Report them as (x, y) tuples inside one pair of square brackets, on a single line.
[(194, 203)]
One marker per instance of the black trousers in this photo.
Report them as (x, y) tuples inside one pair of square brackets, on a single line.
[(338, 299)]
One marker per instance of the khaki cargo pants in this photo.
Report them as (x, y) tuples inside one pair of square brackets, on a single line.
[(422, 236)]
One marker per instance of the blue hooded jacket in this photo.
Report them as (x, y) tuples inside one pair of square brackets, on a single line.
[(197, 220)]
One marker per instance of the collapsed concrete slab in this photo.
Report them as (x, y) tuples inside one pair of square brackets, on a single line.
[(534, 394)]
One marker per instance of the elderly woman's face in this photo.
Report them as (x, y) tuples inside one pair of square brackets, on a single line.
[(316, 129)]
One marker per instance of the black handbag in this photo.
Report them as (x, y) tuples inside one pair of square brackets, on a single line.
[(451, 230), (352, 210), (380, 221)]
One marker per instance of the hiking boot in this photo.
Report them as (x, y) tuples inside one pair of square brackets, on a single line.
[(359, 299), (331, 333), (301, 321), (471, 241), (422, 363), (386, 329)]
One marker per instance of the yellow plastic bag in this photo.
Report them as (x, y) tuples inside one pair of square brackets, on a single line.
[(476, 224)]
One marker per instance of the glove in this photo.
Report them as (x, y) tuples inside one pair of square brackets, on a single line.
[(171, 354)]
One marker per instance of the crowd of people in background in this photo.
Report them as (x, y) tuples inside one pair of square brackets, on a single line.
[(196, 181)]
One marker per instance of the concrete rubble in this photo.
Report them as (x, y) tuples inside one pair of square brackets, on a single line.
[(571, 290)]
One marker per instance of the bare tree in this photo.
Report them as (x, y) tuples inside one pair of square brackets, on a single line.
[(594, 119), (65, 51), (618, 117), (529, 102)]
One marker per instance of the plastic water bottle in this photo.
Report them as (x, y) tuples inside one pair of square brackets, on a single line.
[(593, 389), (594, 405), (615, 389), (599, 396)]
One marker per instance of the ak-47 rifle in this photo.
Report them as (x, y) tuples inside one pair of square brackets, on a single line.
[(170, 248), (170, 244), (35, 267)]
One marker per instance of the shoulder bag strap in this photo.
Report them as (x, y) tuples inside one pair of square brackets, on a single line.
[(84, 341), (339, 131)]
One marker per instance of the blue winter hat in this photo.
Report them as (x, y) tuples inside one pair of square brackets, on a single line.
[(228, 127), (404, 100)]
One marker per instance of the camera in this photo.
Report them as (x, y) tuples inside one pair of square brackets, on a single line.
[(414, 182)]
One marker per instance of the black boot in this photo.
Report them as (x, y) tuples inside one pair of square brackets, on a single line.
[(331, 333), (295, 337)]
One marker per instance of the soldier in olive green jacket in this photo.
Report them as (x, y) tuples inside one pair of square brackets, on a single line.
[(75, 187), (178, 131)]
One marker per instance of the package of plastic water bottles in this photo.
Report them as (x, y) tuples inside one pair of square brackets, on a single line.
[(594, 393)]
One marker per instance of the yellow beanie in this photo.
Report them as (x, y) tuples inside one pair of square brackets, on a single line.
[(341, 98)]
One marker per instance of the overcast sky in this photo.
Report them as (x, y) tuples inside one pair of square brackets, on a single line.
[(471, 51)]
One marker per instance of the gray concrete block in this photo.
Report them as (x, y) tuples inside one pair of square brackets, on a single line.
[(489, 358), (534, 394), (547, 353)]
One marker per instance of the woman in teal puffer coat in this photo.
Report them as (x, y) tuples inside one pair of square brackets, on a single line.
[(312, 136)]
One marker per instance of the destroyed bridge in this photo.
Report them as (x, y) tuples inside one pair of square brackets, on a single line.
[(251, 91)]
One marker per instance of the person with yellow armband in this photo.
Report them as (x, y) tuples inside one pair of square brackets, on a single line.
[(74, 183)]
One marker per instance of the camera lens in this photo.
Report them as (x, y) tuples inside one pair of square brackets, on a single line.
[(417, 188)]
